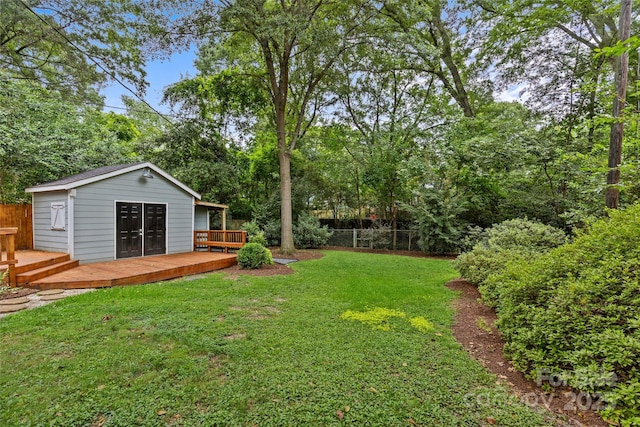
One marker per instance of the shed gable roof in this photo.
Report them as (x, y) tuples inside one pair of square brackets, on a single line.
[(105, 172)]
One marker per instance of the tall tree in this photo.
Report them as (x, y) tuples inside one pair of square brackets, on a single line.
[(392, 112), (215, 111), (617, 128), (522, 29), (296, 44)]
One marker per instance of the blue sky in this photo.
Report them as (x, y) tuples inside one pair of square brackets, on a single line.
[(160, 74)]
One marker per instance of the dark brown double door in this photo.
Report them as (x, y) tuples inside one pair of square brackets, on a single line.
[(141, 229)]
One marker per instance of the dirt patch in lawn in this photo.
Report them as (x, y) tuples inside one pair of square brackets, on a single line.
[(235, 337), (474, 329), (275, 269)]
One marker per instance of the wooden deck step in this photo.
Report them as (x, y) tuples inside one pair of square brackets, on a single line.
[(53, 259), (49, 270), (134, 271)]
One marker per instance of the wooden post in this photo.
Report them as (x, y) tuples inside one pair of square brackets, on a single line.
[(224, 219), (9, 235)]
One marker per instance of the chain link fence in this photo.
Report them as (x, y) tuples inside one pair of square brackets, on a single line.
[(371, 238)]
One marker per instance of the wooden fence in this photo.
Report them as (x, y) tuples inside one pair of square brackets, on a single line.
[(18, 216)]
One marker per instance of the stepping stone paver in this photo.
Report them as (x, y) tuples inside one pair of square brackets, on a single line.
[(10, 308), (52, 297), (284, 261), (14, 301), (34, 300), (51, 292)]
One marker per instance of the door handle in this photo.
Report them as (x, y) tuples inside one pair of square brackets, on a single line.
[(140, 231)]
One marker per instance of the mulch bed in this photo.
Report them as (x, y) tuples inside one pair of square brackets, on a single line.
[(472, 321), (16, 292), (275, 269)]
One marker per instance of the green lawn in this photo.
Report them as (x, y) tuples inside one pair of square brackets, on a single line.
[(254, 351)]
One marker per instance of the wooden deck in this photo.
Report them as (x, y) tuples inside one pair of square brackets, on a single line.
[(135, 271), (29, 259)]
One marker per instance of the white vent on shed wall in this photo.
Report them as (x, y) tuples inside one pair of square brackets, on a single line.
[(57, 216)]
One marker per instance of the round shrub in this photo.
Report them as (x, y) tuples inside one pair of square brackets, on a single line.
[(254, 255), (505, 242), (482, 261), (523, 234)]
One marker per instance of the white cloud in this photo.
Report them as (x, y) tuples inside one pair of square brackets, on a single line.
[(514, 93)]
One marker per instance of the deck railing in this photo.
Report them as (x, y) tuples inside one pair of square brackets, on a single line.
[(8, 247), (224, 239)]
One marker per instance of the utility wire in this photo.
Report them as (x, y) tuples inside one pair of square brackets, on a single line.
[(103, 105), (109, 73), (135, 110)]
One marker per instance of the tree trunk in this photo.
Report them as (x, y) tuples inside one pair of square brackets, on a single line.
[(358, 197), (394, 223), (287, 246), (617, 127), (458, 90)]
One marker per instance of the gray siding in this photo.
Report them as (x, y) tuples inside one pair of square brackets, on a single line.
[(94, 215), (202, 218), (44, 238)]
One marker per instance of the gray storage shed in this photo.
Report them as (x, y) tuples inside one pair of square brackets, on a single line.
[(116, 212)]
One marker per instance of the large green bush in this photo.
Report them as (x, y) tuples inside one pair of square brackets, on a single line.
[(576, 311), (308, 233), (272, 230), (508, 241), (254, 234), (254, 255), (437, 218), (252, 228)]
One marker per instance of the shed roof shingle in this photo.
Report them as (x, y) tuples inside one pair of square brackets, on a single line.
[(86, 175)]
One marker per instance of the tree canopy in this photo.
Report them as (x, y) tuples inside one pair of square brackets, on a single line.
[(340, 109)]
